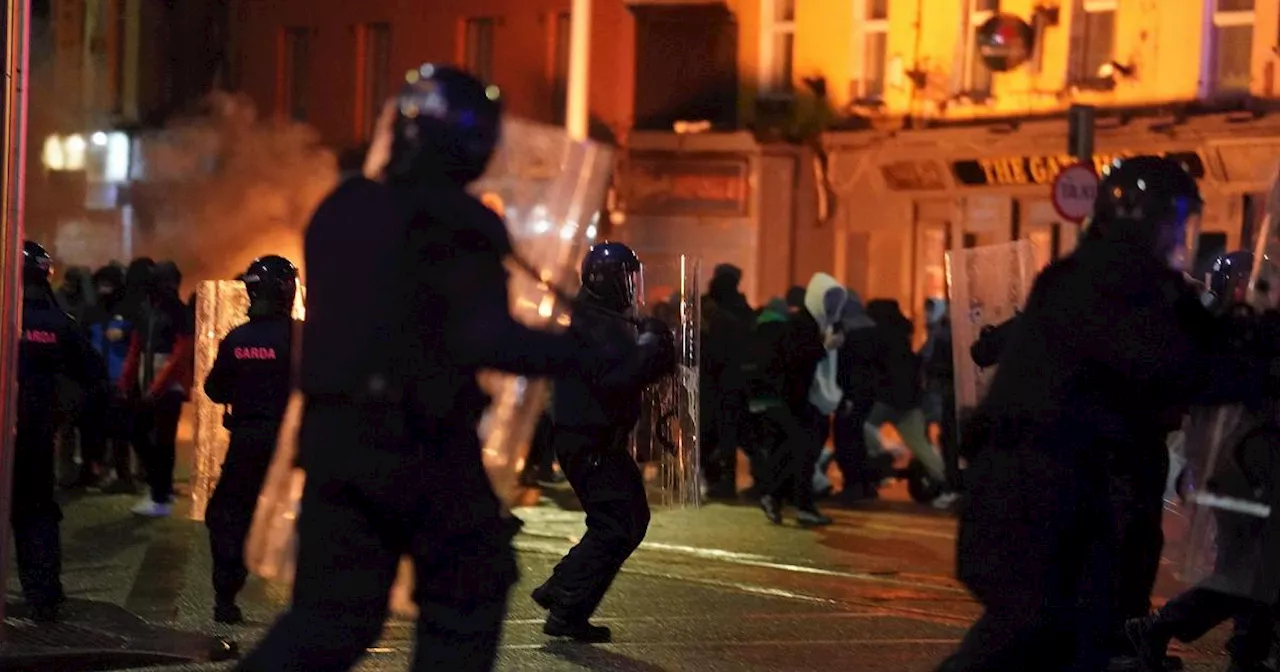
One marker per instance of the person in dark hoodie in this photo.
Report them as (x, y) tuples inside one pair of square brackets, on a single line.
[(106, 418), (780, 384), (860, 359), (75, 296), (727, 321), (157, 374)]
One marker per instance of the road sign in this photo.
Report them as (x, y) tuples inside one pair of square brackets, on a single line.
[(1074, 191)]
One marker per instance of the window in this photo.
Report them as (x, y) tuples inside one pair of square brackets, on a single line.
[(778, 45), (293, 73), (1230, 55), (373, 61), (1095, 44), (560, 67), (873, 48), (977, 75), (478, 58)]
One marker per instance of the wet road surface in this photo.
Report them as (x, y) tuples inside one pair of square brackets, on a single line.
[(713, 589)]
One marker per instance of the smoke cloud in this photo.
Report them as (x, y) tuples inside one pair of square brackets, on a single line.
[(224, 187)]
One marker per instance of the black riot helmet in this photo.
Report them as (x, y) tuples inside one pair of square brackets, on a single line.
[(1152, 201), (1228, 282), (37, 265), (613, 276), (447, 124), (271, 282)]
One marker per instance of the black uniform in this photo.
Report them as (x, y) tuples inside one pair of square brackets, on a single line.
[(251, 375), (1110, 338), (51, 345), (407, 301), (593, 417)]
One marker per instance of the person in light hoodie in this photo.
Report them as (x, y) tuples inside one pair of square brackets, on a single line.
[(795, 385)]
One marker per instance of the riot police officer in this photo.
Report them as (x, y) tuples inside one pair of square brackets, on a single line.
[(1111, 340), (51, 345), (407, 301), (593, 416), (251, 375)]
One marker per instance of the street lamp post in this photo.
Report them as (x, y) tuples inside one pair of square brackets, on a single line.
[(13, 171), (578, 117)]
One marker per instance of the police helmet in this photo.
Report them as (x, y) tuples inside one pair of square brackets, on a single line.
[(1229, 276), (37, 265), (271, 279), (1153, 198), (447, 123), (613, 276)]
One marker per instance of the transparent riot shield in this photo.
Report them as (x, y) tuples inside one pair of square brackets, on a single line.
[(665, 443), (987, 286), (1230, 538), (549, 188), (221, 306)]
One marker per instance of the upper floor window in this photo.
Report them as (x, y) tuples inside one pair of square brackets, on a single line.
[(1228, 55), (560, 67), (977, 76), (872, 48), (374, 59), (293, 81), (778, 45), (1094, 45), (478, 55)]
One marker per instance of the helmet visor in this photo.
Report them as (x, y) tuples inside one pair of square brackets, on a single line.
[(633, 284)]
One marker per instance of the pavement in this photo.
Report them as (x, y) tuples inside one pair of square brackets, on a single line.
[(713, 589)]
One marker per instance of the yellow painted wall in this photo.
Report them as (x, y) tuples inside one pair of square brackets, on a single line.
[(1162, 39)]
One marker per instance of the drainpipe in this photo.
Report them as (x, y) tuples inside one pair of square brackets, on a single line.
[(17, 30), (578, 109)]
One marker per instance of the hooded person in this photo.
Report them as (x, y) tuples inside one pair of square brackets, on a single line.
[(75, 296), (727, 318), (158, 374), (793, 389), (860, 358)]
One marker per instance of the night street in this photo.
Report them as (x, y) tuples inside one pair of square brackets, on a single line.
[(713, 589)]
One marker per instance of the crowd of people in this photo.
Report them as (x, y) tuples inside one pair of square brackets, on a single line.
[(123, 433)]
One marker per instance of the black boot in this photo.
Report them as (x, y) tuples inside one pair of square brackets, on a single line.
[(772, 510), (1149, 643), (577, 630), (227, 613)]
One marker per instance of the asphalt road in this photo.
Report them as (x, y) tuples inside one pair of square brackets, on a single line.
[(714, 589)]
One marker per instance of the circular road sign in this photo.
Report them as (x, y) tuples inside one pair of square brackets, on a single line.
[(1074, 191)]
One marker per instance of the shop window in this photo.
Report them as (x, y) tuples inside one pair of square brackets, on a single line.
[(1227, 63), (1095, 43), (374, 63), (562, 37), (977, 75), (777, 46), (872, 44), (293, 80), (478, 45)]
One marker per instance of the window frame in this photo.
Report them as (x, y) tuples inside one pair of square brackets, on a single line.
[(368, 104), (862, 29), (771, 30), (977, 17), (1078, 73), (288, 100), (491, 22), (1215, 19)]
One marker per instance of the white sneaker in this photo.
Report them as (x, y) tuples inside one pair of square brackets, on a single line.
[(945, 501), (152, 509)]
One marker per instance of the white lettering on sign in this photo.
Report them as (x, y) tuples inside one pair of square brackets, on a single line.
[(1074, 191)]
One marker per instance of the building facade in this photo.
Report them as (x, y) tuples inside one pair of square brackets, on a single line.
[(906, 137), (860, 137)]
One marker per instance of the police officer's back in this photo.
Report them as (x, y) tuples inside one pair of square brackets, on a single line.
[(407, 301), (252, 376), (51, 345)]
